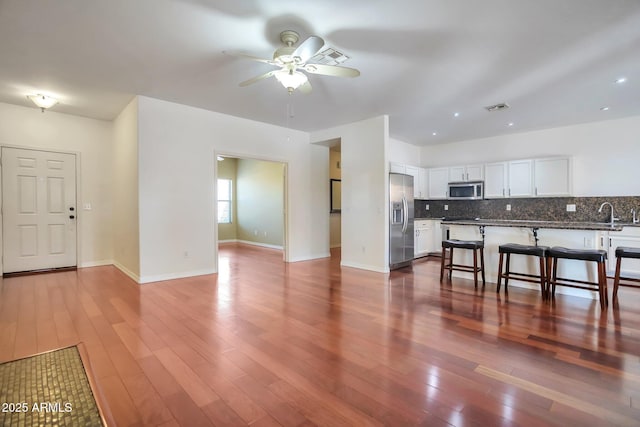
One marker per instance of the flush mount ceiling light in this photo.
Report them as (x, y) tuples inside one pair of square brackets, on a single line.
[(604, 108), (43, 101), (621, 80)]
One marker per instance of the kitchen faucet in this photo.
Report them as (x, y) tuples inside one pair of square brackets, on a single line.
[(613, 217)]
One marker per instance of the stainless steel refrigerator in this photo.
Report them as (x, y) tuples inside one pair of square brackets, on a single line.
[(400, 220)]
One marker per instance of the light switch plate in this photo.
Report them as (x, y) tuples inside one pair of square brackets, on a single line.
[(446, 207), (508, 207), (87, 206)]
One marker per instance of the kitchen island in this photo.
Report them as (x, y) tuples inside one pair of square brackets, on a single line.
[(577, 235)]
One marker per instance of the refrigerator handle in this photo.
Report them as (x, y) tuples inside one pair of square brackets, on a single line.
[(405, 216)]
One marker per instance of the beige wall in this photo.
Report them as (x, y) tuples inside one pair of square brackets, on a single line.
[(260, 202), (126, 234), (335, 226), (227, 169)]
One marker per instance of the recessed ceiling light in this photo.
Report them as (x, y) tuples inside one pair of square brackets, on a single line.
[(456, 114), (434, 133), (621, 80), (604, 108), (510, 124)]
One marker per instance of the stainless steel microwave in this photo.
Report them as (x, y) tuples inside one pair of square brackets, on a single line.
[(471, 190)]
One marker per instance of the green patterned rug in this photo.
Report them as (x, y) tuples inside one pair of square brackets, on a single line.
[(49, 389)]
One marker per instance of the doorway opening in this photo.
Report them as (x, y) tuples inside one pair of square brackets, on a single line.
[(335, 194), (251, 202)]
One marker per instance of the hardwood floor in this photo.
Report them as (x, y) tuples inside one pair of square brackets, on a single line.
[(267, 343)]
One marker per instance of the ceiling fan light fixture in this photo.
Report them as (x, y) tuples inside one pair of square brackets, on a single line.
[(290, 79), (43, 101)]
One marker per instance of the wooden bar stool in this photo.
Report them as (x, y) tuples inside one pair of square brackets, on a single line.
[(594, 255), (475, 245), (624, 252), (513, 248)]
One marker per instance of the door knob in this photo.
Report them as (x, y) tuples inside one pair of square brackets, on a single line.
[(72, 216), (72, 209)]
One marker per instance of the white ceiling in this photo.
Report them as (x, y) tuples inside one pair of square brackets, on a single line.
[(554, 61)]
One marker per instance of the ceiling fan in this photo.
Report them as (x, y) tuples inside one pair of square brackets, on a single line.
[(293, 60)]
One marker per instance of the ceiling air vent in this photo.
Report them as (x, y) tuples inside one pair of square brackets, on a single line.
[(497, 107), (329, 56)]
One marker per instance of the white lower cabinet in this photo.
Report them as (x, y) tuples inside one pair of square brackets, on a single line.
[(421, 238), (630, 237), (428, 237)]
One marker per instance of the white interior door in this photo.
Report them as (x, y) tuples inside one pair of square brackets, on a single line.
[(38, 210)]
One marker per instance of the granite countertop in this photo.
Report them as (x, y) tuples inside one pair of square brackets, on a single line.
[(598, 226)]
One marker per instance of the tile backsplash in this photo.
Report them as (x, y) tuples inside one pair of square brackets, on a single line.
[(541, 209)]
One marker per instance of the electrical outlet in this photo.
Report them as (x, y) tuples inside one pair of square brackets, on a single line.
[(446, 207), (508, 207), (426, 207), (571, 208)]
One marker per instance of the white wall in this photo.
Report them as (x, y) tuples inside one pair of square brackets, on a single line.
[(605, 154), (402, 152), (365, 194), (91, 140), (177, 151), (126, 231)]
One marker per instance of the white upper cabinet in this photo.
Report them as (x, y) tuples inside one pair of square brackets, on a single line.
[(438, 180), (495, 180), (414, 171), (520, 178), (423, 184), (544, 177), (420, 178), (466, 173), (474, 172), (553, 177), (456, 174), (397, 168)]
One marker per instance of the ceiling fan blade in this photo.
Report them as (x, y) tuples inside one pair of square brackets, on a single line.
[(308, 48), (258, 78), (251, 57), (331, 70), (305, 88)]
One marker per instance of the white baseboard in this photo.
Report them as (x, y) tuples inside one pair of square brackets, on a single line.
[(126, 271), (263, 245), (364, 267), (101, 263), (173, 276), (310, 257)]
